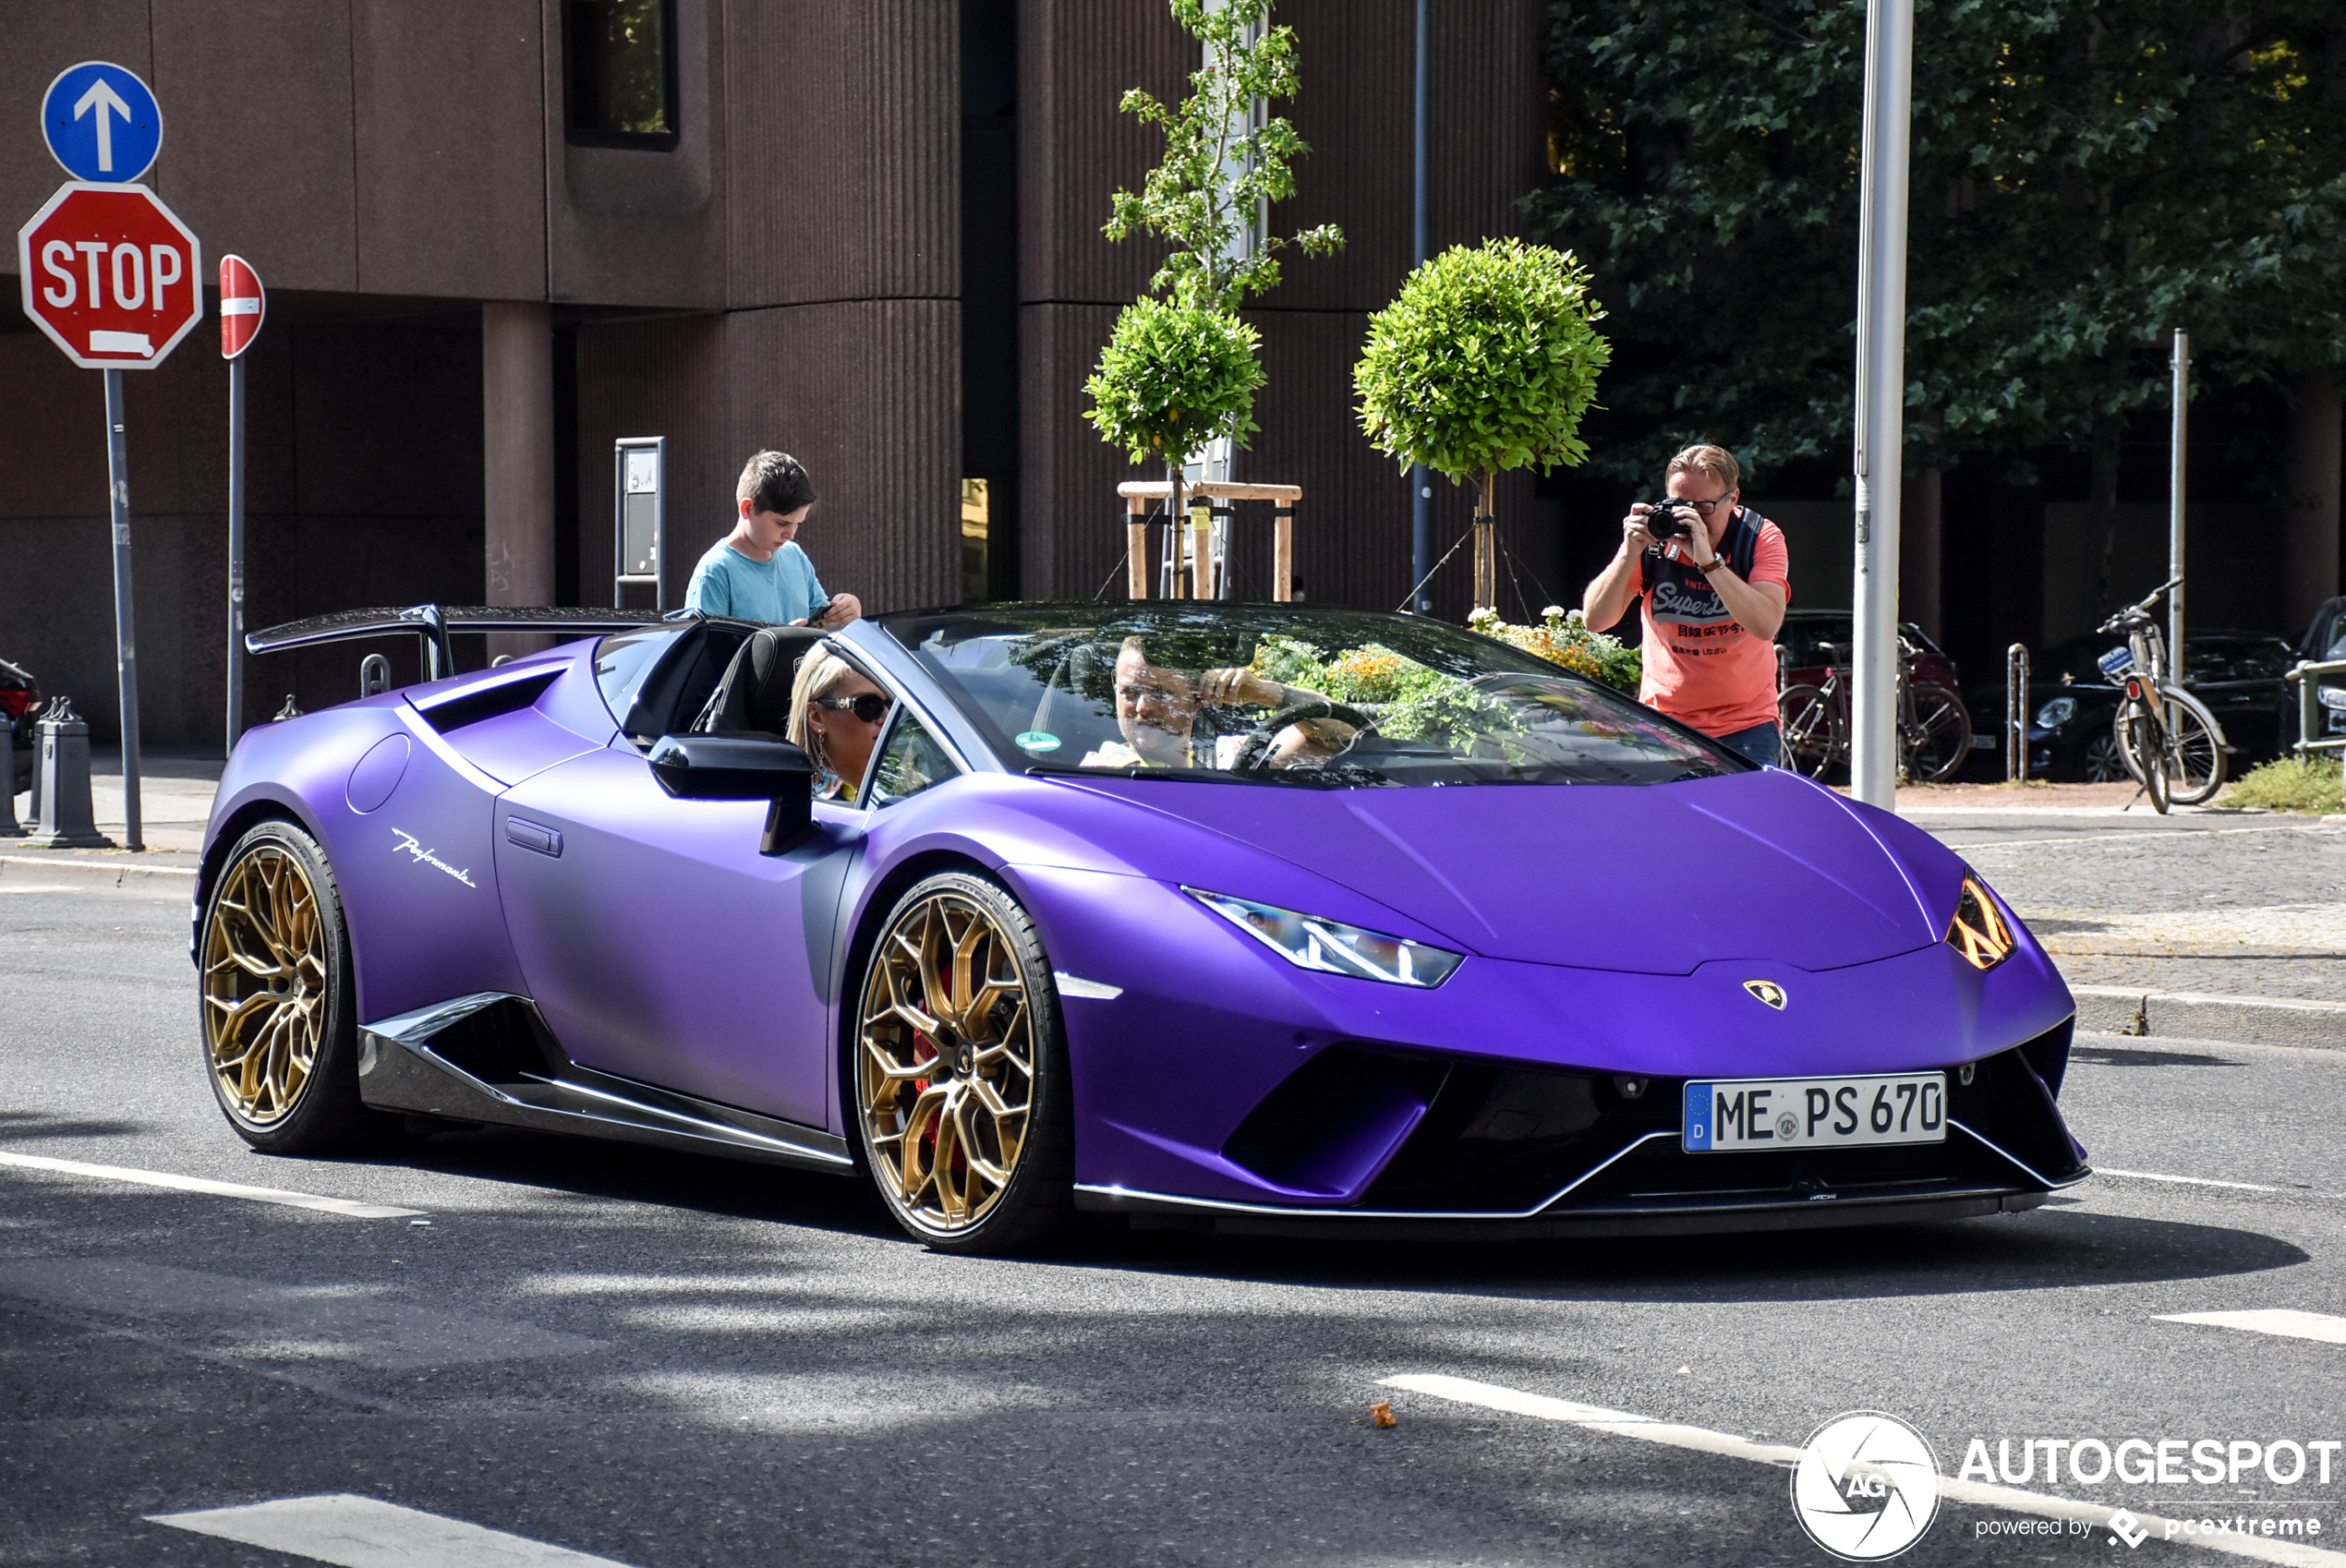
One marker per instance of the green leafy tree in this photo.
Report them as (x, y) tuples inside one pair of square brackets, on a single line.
[(1172, 377), (1182, 370), (1485, 361), (1224, 160), (2085, 176)]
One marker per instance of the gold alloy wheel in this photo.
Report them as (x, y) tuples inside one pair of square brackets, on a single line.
[(946, 1062), (264, 985)]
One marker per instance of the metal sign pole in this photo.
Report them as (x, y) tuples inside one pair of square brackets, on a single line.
[(1421, 481), (1881, 387), (2175, 508), (125, 641), (236, 551)]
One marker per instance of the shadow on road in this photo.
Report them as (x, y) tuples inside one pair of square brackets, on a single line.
[(2053, 1248)]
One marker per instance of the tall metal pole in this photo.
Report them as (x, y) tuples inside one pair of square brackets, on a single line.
[(1421, 482), (236, 551), (2175, 508), (125, 638), (1881, 388)]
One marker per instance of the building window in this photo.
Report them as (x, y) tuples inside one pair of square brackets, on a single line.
[(621, 59), (976, 524)]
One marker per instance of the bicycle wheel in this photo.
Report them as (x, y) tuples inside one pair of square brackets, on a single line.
[(2142, 743), (1937, 740), (2194, 749), (1810, 724)]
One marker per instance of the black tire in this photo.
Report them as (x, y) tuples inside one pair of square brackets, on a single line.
[(1809, 725), (280, 1048), (2103, 760), (2194, 749), (956, 1170), (2143, 743), (1940, 742)]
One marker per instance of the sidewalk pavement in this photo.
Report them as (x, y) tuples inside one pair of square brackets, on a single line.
[(174, 801)]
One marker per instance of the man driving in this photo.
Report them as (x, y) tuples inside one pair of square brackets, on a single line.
[(1158, 708)]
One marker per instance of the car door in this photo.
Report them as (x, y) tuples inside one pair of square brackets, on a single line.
[(661, 947), (2223, 672)]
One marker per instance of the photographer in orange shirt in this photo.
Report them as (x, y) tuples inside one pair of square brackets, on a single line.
[(1712, 577)]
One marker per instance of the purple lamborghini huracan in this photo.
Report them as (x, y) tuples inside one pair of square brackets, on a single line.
[(1249, 918)]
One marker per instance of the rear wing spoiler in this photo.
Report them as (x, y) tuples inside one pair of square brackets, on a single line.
[(431, 625)]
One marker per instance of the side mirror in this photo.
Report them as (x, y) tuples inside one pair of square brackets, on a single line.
[(742, 767)]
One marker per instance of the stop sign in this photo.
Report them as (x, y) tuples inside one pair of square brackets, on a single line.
[(111, 274)]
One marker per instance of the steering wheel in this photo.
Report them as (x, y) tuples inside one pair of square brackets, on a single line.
[(1258, 740)]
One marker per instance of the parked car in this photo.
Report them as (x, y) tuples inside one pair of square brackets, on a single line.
[(1083, 937), (2071, 702), (19, 706), (2324, 642)]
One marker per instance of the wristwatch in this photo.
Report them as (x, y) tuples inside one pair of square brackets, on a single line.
[(1716, 562)]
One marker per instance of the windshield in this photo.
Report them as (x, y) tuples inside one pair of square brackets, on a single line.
[(1324, 698)]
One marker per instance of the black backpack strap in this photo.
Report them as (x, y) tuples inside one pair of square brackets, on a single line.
[(1743, 543)]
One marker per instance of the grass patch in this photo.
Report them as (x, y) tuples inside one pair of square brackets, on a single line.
[(2292, 783)]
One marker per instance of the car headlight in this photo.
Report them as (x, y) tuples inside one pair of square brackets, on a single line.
[(1978, 931), (1331, 946), (2056, 713)]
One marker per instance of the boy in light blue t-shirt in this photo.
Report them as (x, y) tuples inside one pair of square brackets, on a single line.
[(757, 571)]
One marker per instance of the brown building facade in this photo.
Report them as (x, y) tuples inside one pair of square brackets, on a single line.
[(865, 231)]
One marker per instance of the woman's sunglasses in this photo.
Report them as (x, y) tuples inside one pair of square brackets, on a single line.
[(869, 706)]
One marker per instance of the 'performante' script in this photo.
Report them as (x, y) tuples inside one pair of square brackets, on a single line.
[(408, 842)]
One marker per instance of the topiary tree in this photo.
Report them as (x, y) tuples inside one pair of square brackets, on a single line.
[(1485, 361), (1172, 377), (1178, 372)]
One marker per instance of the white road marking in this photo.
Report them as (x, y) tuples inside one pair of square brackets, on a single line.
[(2188, 1181), (38, 888), (365, 1532), (2273, 1319), (218, 1188), (1620, 1423)]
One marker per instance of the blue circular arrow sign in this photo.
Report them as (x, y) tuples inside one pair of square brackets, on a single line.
[(102, 122)]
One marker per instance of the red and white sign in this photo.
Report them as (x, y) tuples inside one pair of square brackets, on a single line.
[(242, 304), (111, 274)]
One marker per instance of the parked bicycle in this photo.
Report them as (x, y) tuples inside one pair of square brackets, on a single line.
[(2168, 739), (1934, 728)]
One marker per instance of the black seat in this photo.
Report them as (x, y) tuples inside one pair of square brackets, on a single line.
[(754, 692)]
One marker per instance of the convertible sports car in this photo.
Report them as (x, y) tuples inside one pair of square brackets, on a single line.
[(1249, 918)]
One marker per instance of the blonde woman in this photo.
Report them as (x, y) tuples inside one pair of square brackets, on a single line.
[(835, 716)]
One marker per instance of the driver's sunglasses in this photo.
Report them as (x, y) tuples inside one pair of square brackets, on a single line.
[(869, 706)]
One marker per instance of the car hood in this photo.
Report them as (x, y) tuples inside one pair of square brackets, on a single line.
[(1657, 879)]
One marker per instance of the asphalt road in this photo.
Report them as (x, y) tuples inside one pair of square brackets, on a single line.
[(659, 1361)]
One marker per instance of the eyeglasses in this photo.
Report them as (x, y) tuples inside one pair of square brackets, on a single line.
[(1137, 692), (1705, 507), (869, 706)]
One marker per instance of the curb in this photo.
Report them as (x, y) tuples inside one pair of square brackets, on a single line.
[(2257, 1020), (116, 868)]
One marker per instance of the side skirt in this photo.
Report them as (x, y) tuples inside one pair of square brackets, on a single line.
[(489, 1057)]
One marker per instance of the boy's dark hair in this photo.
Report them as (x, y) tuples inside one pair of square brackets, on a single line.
[(777, 482)]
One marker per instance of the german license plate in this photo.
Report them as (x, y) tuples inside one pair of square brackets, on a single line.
[(1737, 1114)]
